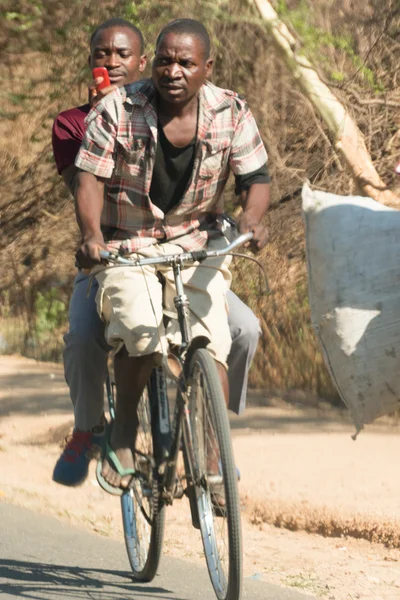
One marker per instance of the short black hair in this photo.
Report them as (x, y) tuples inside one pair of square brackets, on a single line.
[(117, 22), (188, 26)]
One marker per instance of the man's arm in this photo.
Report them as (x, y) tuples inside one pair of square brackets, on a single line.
[(70, 177), (89, 199), (88, 193), (255, 206), (95, 164), (68, 132), (248, 161)]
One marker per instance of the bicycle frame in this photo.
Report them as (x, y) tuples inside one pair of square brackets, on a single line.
[(181, 418), (170, 442)]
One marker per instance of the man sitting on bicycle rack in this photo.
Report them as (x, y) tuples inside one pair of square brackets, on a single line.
[(117, 45), (153, 165)]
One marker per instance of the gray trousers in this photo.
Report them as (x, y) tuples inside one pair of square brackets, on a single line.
[(86, 352)]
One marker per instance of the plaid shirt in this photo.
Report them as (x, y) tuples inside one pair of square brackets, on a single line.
[(120, 146)]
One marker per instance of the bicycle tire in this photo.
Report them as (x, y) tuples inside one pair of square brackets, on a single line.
[(143, 515), (206, 396)]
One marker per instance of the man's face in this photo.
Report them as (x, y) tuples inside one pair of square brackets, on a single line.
[(118, 49), (180, 67)]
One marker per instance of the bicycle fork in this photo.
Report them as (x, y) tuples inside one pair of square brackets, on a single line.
[(182, 416), (182, 308), (182, 426)]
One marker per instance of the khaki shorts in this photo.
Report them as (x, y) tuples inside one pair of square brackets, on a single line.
[(132, 301)]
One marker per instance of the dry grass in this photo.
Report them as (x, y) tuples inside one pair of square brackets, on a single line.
[(323, 521), (54, 435), (44, 72), (289, 355), (16, 338)]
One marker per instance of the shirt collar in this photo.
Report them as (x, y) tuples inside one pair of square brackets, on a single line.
[(212, 98), (139, 93)]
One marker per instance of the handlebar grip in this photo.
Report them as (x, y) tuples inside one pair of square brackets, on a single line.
[(199, 255), (104, 254)]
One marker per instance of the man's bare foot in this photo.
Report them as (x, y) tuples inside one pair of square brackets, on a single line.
[(112, 477), (123, 434), (122, 443)]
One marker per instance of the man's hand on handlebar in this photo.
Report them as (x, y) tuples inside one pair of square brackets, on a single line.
[(247, 223), (88, 254)]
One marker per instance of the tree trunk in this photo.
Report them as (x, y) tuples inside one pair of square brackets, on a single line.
[(347, 138)]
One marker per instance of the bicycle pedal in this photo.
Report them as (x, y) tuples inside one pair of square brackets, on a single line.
[(179, 492), (215, 479)]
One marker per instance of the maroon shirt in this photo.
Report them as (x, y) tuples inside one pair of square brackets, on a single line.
[(69, 129)]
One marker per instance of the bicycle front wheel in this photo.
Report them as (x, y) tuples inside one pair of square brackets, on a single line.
[(215, 477), (143, 514)]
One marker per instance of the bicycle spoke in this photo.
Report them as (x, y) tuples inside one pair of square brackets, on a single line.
[(211, 469), (143, 519), (217, 500)]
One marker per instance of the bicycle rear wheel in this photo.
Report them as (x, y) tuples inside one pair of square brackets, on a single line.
[(214, 468), (143, 514)]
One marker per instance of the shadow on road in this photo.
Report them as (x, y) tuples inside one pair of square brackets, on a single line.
[(307, 421), (30, 393), (44, 581)]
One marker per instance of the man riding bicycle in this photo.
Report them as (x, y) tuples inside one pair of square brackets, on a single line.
[(117, 45), (153, 165)]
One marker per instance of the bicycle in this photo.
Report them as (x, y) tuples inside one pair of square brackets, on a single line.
[(200, 428)]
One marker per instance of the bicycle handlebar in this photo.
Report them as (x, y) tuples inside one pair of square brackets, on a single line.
[(194, 256)]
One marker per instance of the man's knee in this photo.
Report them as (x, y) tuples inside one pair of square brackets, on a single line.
[(85, 360), (248, 331)]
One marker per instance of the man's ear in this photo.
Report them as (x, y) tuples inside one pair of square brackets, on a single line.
[(143, 63), (209, 67)]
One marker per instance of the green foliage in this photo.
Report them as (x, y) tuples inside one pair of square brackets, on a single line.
[(22, 21), (315, 40), (17, 98), (337, 76), (50, 312)]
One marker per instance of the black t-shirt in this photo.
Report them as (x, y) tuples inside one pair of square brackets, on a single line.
[(243, 182), (173, 170)]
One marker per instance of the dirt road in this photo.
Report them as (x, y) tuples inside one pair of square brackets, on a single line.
[(300, 469)]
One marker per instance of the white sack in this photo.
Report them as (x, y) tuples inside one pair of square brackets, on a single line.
[(353, 255)]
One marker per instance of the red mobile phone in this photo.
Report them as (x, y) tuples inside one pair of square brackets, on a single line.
[(101, 72)]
